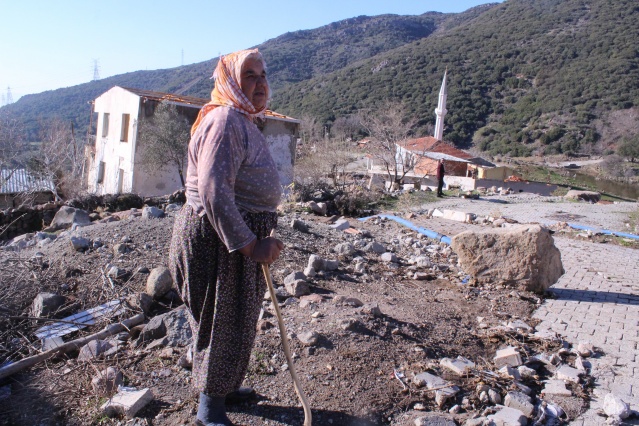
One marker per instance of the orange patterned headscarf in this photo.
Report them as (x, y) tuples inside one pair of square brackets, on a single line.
[(228, 90)]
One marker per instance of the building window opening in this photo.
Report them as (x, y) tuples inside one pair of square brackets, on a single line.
[(124, 135), (101, 172), (105, 124)]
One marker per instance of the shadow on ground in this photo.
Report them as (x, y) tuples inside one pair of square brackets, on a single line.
[(595, 296), (295, 415)]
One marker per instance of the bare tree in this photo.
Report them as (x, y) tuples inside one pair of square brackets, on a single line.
[(346, 128), (629, 148), (388, 125), (11, 143), (60, 158), (164, 139)]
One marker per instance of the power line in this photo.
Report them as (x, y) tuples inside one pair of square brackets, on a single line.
[(182, 57), (9, 98), (96, 70)]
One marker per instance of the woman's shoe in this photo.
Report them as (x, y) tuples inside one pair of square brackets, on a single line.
[(212, 411)]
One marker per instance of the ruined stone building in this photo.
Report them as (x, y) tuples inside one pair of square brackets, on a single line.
[(113, 161)]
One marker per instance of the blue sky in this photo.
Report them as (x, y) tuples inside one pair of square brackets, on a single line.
[(46, 45)]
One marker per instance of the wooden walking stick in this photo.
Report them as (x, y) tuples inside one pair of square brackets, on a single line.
[(308, 418)]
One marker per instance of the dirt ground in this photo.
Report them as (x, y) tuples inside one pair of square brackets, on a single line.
[(349, 377)]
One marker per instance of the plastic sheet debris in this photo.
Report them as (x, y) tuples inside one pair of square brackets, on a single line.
[(80, 320)]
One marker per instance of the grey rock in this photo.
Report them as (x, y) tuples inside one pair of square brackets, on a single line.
[(585, 348), (526, 372), (309, 338), (494, 396), (614, 406), (178, 329), (331, 265), (297, 288), (349, 324), (116, 273), (150, 212), (344, 249), (374, 247), (294, 276), (299, 225), (171, 208), (153, 330), (372, 309), (67, 217), (423, 262), (555, 388), (575, 194), (94, 349), (523, 255), (309, 272), (45, 304), (316, 262), (79, 243), (121, 248), (159, 282), (318, 208), (389, 257)]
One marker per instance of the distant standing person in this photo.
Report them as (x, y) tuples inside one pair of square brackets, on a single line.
[(440, 178)]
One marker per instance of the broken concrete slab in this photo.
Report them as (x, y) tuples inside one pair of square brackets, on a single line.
[(431, 382), (519, 401), (459, 365), (127, 402), (508, 371), (508, 356), (566, 372), (555, 387), (434, 419), (341, 225), (507, 416)]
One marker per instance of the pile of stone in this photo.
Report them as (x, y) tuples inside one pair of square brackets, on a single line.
[(68, 222), (506, 393)]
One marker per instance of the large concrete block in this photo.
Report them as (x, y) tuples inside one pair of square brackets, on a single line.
[(521, 255)]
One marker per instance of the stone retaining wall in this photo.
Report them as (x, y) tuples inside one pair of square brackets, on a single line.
[(14, 222)]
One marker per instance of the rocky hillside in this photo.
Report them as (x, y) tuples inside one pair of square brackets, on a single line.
[(542, 77)]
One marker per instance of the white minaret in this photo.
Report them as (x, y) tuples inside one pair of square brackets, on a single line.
[(441, 111)]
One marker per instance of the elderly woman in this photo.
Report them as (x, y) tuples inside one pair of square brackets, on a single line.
[(221, 235)]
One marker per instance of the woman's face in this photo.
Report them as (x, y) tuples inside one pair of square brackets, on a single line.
[(254, 83)]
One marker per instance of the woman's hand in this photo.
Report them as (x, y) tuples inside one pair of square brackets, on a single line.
[(266, 250)]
